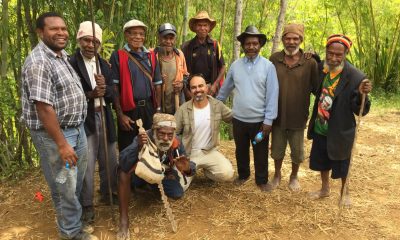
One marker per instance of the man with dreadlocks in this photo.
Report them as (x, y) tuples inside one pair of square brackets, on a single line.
[(332, 125)]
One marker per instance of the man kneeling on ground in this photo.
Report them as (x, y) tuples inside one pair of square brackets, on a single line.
[(177, 166), (198, 121)]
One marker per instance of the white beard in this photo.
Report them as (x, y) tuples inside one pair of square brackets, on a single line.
[(335, 69), (162, 145), (292, 53)]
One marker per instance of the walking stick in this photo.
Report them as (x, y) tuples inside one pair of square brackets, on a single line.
[(103, 120), (346, 183)]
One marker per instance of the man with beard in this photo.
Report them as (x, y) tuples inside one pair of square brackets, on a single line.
[(255, 105), (173, 68), (96, 86), (137, 79), (54, 109), (332, 124), (198, 122), (203, 54), (172, 156), (298, 78)]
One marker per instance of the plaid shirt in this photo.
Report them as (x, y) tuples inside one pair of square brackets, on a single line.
[(48, 78)]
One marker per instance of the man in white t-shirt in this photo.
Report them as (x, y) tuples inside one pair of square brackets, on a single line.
[(198, 122)]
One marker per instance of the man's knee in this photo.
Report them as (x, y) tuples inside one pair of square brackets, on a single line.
[(224, 176)]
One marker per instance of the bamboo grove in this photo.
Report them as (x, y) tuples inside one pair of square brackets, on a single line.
[(373, 25)]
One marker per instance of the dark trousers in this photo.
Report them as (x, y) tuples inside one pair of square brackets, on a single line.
[(125, 138), (244, 133)]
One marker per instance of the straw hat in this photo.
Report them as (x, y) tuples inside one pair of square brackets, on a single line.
[(202, 15), (252, 31)]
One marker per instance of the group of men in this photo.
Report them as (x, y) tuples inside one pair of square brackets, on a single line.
[(67, 99)]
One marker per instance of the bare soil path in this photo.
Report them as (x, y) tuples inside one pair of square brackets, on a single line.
[(223, 211)]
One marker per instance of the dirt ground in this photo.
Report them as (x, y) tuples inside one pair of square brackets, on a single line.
[(223, 211)]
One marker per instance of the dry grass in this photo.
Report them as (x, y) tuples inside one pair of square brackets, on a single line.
[(223, 211)]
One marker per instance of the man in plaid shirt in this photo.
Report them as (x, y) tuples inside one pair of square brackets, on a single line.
[(54, 109)]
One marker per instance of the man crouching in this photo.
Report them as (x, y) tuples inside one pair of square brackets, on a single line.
[(172, 156)]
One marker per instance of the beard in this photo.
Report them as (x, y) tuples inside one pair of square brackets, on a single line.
[(161, 144), (292, 53), (335, 68)]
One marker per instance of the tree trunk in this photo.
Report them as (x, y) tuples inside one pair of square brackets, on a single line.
[(221, 34), (185, 21), (279, 26), (29, 24), (4, 41), (237, 29)]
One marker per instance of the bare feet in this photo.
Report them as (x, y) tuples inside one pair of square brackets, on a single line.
[(323, 193), (123, 232), (266, 187), (294, 184), (123, 235), (345, 201), (276, 181)]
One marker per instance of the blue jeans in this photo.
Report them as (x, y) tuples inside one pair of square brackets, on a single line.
[(65, 195)]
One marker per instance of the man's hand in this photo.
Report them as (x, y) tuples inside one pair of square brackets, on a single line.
[(142, 139), (365, 86), (67, 154), (100, 80), (177, 86), (182, 164), (125, 122), (266, 129), (99, 91)]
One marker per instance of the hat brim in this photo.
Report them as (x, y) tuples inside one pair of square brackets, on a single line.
[(262, 37), (166, 32), (192, 23)]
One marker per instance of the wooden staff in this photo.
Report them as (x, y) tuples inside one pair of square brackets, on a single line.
[(103, 120), (346, 183)]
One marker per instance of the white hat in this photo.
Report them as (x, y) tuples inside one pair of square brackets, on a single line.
[(134, 23), (85, 29)]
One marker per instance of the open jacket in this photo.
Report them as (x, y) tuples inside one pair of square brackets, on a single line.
[(185, 122), (342, 123), (78, 64)]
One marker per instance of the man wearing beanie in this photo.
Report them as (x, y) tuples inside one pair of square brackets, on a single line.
[(203, 54), (332, 125), (298, 78), (96, 85), (173, 69), (137, 80)]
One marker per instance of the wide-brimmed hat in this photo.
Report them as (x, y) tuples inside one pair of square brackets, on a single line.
[(202, 15), (134, 23), (252, 31), (167, 28)]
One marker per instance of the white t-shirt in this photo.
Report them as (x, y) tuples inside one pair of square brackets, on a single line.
[(202, 127)]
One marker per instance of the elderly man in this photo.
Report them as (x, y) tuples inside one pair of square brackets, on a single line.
[(54, 109), (96, 86), (198, 122), (203, 54), (298, 78), (332, 124), (172, 155), (255, 105), (137, 80), (173, 68)]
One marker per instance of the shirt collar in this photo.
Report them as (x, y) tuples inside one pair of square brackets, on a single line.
[(126, 46), (281, 57), (91, 60), (51, 53), (253, 60)]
